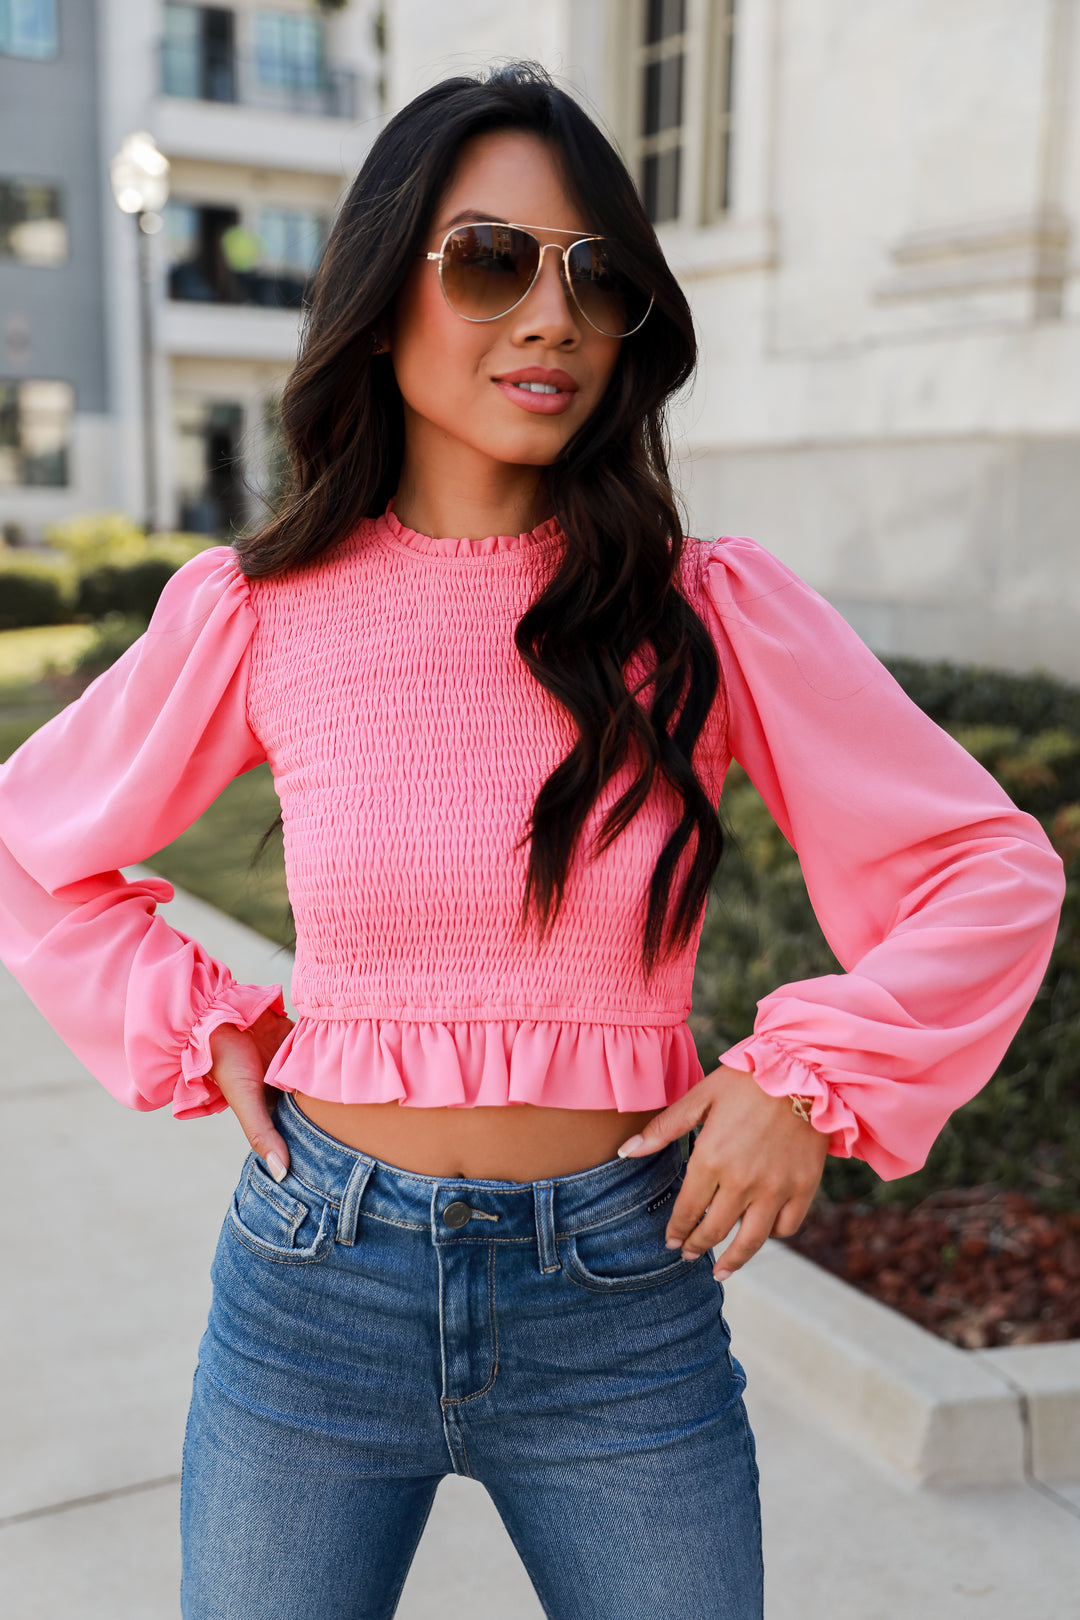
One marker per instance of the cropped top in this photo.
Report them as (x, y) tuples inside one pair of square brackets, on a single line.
[(407, 742)]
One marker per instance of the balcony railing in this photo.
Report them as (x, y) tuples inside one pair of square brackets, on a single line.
[(193, 283), (207, 71)]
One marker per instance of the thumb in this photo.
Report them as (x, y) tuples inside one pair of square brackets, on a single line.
[(668, 1125), (238, 1072), (248, 1101)]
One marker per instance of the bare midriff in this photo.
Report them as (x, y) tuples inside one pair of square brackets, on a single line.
[(520, 1142)]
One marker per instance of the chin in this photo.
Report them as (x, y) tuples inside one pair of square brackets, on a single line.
[(531, 449)]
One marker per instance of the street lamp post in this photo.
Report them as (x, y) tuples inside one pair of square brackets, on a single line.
[(139, 174)]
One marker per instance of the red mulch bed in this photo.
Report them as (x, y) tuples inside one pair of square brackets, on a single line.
[(976, 1266)]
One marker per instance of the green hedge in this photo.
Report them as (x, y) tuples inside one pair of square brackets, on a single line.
[(30, 596), (114, 633), (98, 565), (1023, 1129), (133, 589)]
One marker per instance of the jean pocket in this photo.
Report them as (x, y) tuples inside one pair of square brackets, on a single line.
[(627, 1251), (277, 1225)]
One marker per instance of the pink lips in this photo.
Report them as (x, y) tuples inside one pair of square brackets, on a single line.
[(541, 404)]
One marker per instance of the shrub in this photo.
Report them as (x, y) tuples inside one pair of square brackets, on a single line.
[(110, 566), (111, 540), (1024, 728), (103, 537), (113, 635), (31, 594), (972, 695), (1021, 1130), (127, 590)]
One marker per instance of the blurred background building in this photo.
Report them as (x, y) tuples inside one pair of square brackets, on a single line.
[(264, 111), (872, 208)]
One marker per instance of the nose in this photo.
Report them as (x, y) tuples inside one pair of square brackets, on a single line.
[(547, 313)]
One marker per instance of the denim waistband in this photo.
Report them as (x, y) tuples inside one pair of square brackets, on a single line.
[(503, 1211)]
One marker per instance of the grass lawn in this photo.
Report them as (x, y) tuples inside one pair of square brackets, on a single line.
[(213, 858), (28, 655)]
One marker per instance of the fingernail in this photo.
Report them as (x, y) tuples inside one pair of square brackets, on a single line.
[(690, 1254), (631, 1146), (721, 1275), (674, 1243), (275, 1167)]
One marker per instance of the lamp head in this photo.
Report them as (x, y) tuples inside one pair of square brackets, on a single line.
[(139, 174)]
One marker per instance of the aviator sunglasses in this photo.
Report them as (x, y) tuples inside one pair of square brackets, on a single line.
[(486, 270)]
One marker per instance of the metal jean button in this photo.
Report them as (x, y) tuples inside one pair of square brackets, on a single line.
[(457, 1213)]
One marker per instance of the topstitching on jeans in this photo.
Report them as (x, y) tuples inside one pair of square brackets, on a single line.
[(602, 1216), (493, 1324), (289, 1208), (457, 1184), (280, 1254), (626, 1208), (320, 1192), (388, 1220)]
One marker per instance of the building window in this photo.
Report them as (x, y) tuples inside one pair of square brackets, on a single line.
[(662, 69), (271, 59), (35, 432), (198, 53), (683, 75), (289, 51), (209, 469), (28, 28), (199, 271), (291, 245), (32, 228), (719, 107), (215, 258)]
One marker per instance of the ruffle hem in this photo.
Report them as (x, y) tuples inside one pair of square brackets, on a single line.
[(472, 1064)]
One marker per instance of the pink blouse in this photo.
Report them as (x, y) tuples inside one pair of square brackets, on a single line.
[(407, 742)]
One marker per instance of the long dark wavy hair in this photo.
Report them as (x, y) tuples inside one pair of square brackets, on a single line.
[(615, 593)]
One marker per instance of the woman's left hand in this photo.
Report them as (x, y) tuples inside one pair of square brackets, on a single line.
[(754, 1158)]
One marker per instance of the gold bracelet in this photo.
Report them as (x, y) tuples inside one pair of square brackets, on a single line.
[(800, 1106)]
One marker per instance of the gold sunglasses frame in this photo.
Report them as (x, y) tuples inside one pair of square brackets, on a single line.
[(554, 230)]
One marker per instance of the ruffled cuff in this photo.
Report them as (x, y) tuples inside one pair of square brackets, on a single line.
[(195, 1094), (782, 1074)]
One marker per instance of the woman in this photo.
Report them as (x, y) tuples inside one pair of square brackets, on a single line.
[(499, 756)]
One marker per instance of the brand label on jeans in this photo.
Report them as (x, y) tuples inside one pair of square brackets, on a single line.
[(660, 1200)]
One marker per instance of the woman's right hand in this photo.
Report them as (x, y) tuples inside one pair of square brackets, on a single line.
[(241, 1058)]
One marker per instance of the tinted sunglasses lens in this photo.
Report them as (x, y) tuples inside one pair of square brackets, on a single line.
[(609, 300), (487, 269)]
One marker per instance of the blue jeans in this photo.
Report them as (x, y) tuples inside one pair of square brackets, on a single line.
[(373, 1330)]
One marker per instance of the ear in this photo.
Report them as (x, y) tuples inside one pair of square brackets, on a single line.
[(380, 343)]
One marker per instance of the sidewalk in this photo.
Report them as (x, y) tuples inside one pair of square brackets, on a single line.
[(113, 1218)]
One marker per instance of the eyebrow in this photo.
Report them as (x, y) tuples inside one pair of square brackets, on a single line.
[(473, 216)]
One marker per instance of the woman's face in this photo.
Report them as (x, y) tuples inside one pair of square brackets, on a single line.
[(457, 377)]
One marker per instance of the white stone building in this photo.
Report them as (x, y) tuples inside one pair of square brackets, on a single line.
[(876, 222), (873, 207)]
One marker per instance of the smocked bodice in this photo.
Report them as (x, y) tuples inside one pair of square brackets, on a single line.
[(408, 741)]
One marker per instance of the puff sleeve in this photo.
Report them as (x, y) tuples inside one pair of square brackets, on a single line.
[(114, 777), (937, 895)]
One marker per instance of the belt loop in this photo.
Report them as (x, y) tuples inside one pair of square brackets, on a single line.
[(543, 1193), (349, 1213)]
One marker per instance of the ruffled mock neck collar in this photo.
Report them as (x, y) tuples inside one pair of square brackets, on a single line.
[(395, 530)]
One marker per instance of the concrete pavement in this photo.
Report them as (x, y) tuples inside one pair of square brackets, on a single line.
[(112, 1218)]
